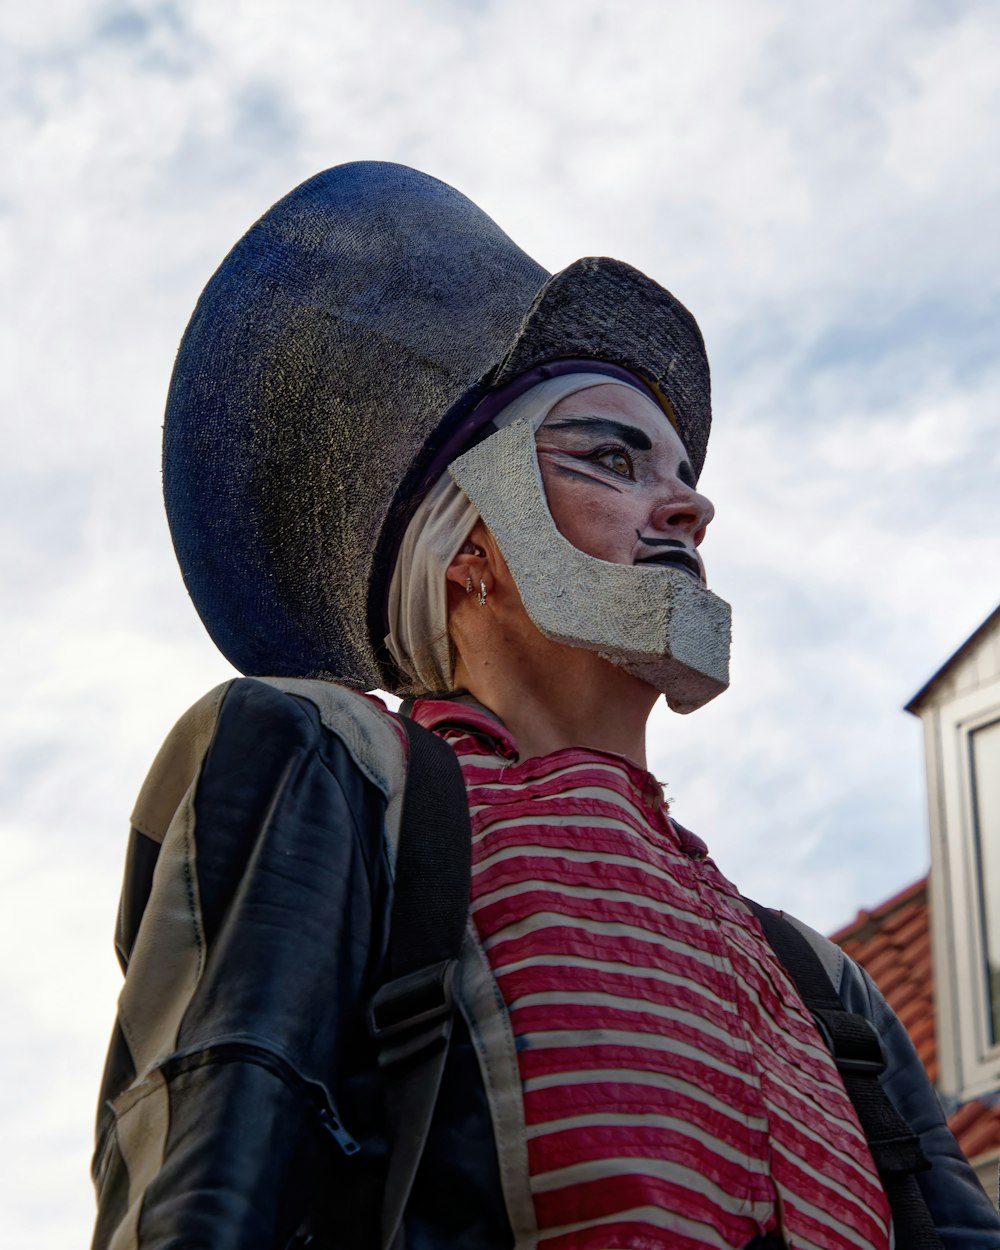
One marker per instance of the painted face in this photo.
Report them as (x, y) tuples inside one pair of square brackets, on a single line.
[(618, 481)]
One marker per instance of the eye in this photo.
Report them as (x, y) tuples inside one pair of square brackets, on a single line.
[(616, 459)]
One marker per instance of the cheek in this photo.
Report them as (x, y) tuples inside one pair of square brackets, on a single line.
[(594, 520)]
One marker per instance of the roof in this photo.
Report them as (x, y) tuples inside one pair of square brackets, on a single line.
[(892, 942), (914, 704)]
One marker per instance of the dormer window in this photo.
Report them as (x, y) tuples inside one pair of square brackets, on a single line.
[(960, 710)]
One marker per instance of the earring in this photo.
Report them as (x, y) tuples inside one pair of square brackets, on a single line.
[(468, 585), (482, 594)]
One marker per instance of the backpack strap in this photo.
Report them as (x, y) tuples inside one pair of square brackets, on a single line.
[(857, 1051), (411, 1015)]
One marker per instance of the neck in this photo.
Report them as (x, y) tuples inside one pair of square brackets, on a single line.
[(558, 696)]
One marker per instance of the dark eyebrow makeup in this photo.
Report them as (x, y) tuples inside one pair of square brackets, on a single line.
[(604, 428)]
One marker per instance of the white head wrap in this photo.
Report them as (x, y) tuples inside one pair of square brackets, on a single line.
[(418, 594)]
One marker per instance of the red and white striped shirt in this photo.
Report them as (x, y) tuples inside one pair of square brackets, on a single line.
[(676, 1091)]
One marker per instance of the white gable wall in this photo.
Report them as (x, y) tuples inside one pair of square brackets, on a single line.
[(963, 696)]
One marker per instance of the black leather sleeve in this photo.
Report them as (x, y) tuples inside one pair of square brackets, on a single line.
[(963, 1215), (263, 1088)]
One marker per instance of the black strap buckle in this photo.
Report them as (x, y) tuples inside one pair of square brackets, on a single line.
[(852, 1040), (414, 1012)]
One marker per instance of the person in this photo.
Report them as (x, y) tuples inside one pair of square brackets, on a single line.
[(400, 455)]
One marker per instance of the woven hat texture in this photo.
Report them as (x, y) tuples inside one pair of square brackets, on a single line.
[(330, 359)]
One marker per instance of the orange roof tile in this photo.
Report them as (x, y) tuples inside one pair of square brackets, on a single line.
[(892, 942)]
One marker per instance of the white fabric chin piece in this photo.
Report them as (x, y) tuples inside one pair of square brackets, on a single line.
[(418, 593)]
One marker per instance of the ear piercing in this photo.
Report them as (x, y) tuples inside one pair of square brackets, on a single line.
[(482, 590), (470, 549)]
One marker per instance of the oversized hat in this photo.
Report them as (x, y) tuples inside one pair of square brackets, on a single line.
[(337, 360)]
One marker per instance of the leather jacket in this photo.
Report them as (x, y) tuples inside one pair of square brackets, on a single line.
[(242, 1100)]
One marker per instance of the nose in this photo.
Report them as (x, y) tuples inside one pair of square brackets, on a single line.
[(684, 513)]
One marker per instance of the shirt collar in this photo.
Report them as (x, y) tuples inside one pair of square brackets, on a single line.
[(464, 712)]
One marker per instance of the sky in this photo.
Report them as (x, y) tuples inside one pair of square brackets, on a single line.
[(818, 183)]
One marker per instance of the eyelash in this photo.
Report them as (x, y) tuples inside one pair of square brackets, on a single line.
[(615, 449)]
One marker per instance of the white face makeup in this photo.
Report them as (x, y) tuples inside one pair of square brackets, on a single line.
[(618, 481)]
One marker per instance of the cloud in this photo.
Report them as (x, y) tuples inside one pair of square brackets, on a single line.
[(821, 188)]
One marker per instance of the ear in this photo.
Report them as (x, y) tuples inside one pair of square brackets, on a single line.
[(473, 561)]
